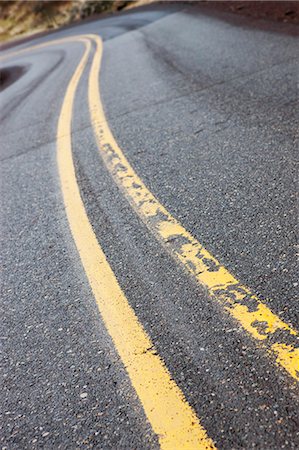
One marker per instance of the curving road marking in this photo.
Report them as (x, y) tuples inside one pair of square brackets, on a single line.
[(169, 414), (279, 338)]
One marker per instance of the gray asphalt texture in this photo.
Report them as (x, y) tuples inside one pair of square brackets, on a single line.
[(205, 107)]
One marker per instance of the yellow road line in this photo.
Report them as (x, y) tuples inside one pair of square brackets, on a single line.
[(70, 39), (171, 418), (255, 317), (37, 47)]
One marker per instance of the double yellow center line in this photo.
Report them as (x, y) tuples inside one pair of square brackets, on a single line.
[(171, 418)]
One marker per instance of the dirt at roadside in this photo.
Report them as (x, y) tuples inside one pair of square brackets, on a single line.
[(282, 11)]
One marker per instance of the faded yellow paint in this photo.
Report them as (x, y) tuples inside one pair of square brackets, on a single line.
[(261, 322), (288, 356), (215, 280), (208, 271), (170, 416), (169, 229)]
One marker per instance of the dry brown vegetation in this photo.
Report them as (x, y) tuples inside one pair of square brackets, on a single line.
[(20, 18)]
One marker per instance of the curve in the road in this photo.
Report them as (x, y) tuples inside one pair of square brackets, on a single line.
[(279, 338)]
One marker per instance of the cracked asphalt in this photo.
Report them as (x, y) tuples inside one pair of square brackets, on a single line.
[(205, 107)]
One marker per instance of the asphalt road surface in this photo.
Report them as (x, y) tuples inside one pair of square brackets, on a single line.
[(148, 234)]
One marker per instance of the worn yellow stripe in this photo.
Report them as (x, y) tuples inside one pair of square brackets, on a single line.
[(254, 316), (25, 50), (171, 418)]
